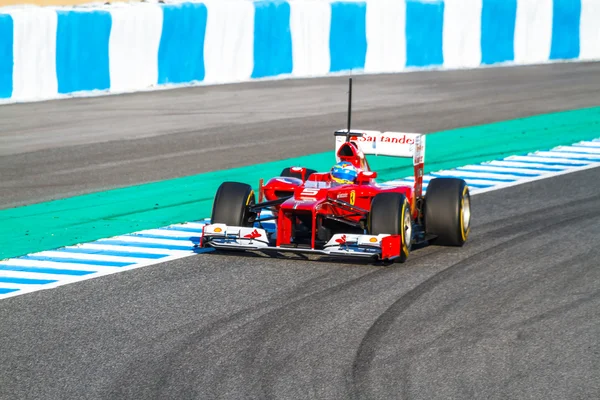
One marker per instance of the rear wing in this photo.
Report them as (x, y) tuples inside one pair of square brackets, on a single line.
[(394, 144)]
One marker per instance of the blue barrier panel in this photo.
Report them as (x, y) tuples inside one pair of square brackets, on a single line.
[(272, 39), (498, 31), (424, 31), (565, 29), (82, 50), (6, 56), (181, 51), (348, 36)]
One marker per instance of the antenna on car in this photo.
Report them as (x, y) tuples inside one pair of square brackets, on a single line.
[(349, 109)]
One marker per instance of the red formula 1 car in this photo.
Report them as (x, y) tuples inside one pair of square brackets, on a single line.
[(305, 211)]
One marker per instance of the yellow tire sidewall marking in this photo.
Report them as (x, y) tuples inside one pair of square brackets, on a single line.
[(464, 234), (404, 245)]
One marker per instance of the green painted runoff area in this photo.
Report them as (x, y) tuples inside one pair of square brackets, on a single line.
[(85, 218)]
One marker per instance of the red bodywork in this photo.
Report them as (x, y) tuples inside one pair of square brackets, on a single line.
[(317, 197)]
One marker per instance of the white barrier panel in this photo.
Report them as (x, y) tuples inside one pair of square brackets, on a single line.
[(229, 41), (533, 31), (133, 46), (129, 47), (386, 36), (462, 33), (34, 53), (310, 23), (589, 34)]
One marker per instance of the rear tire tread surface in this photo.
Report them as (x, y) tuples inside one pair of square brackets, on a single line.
[(446, 201)]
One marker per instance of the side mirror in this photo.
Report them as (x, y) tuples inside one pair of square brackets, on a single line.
[(366, 176), (299, 170)]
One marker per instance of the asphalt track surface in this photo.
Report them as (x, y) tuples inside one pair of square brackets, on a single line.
[(61, 148), (513, 314)]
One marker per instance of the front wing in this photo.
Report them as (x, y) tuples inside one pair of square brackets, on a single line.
[(221, 236)]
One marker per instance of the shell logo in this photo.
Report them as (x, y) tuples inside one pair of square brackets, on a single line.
[(218, 230), (373, 240)]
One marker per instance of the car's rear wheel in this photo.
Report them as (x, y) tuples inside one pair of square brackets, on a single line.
[(448, 211), (287, 172), (232, 204), (391, 214)]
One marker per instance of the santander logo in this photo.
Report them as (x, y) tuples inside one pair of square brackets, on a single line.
[(386, 139)]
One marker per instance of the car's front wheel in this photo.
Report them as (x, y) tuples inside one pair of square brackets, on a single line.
[(232, 205), (390, 214)]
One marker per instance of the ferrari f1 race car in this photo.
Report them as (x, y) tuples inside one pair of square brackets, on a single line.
[(313, 212)]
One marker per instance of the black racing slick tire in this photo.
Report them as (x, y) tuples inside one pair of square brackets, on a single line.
[(448, 211), (391, 214), (287, 172), (231, 205)]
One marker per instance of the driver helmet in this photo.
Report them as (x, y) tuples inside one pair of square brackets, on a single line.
[(344, 173)]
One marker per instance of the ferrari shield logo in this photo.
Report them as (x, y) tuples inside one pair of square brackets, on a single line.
[(352, 197)]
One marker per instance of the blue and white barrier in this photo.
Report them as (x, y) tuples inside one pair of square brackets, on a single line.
[(48, 52)]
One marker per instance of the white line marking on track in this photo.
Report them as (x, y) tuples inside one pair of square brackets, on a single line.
[(21, 262), (532, 179), (149, 241), (91, 257), (131, 249)]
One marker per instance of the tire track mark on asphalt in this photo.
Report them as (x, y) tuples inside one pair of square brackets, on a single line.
[(360, 385), (163, 367)]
